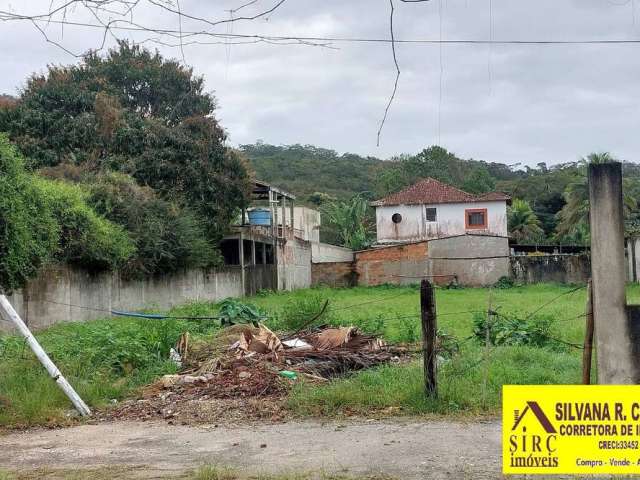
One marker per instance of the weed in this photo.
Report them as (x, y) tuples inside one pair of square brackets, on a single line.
[(514, 329), (408, 329), (299, 311), (504, 282), (369, 324), (234, 311), (400, 388)]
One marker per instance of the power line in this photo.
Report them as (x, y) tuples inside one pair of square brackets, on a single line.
[(6, 16)]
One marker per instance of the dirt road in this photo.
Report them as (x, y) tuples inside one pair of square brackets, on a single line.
[(403, 449)]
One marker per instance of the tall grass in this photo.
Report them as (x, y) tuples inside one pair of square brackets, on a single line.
[(108, 359), (103, 360), (461, 388)]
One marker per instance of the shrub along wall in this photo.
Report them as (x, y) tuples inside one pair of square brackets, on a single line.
[(97, 221)]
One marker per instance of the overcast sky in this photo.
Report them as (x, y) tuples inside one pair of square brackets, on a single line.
[(505, 103)]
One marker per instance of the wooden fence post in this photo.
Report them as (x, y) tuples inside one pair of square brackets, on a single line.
[(9, 314), (588, 338), (429, 328), (487, 345)]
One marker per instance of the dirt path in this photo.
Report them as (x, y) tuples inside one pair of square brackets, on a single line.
[(403, 449)]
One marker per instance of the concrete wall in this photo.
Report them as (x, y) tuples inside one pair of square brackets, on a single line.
[(323, 253), (561, 268), (307, 222), (48, 299), (476, 260), (450, 221), (294, 264), (633, 258), (334, 274)]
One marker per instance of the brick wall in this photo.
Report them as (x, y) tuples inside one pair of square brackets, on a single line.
[(334, 274), (400, 264)]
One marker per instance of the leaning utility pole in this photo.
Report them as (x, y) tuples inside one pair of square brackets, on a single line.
[(9, 314)]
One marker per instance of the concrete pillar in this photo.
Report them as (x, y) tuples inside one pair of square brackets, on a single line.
[(284, 217), (253, 252), (633, 252), (608, 271), (243, 274)]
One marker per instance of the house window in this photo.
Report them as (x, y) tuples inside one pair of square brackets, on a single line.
[(431, 214), (475, 218), (396, 218)]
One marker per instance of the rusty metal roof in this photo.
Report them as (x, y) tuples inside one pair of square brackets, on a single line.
[(431, 191)]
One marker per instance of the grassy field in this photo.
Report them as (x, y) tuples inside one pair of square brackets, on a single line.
[(108, 359)]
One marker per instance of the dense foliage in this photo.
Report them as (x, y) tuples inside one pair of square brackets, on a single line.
[(314, 174), (318, 176), (28, 231), (44, 220), (351, 222), (523, 223), (138, 175), (135, 112), (86, 239), (166, 236)]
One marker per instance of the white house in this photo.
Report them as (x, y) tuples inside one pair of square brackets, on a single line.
[(431, 209)]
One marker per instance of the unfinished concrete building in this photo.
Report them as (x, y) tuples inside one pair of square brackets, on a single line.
[(271, 241)]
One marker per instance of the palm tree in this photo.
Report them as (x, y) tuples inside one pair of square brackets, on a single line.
[(574, 216), (524, 225), (350, 220)]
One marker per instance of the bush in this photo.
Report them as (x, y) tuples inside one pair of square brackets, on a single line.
[(234, 311), (86, 239), (28, 230), (504, 282), (514, 330), (298, 312), (167, 238)]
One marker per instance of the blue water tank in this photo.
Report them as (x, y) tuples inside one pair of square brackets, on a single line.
[(260, 216)]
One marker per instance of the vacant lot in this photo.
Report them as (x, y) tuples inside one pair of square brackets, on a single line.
[(107, 360)]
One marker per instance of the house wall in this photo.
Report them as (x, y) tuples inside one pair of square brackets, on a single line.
[(51, 296), (450, 221), (324, 252), (294, 264), (306, 222)]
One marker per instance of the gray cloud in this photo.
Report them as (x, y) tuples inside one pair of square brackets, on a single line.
[(508, 103)]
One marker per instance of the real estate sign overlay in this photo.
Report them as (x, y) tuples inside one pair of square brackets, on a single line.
[(577, 429)]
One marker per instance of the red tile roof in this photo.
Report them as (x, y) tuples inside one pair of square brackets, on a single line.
[(431, 191)]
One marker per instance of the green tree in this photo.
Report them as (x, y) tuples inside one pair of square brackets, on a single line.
[(573, 218), (435, 162), (351, 221), (479, 181), (524, 225), (167, 237), (133, 111)]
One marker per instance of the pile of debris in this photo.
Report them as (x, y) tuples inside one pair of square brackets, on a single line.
[(318, 354), (242, 364)]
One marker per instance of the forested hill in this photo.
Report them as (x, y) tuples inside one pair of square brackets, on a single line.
[(316, 175), (305, 169)]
